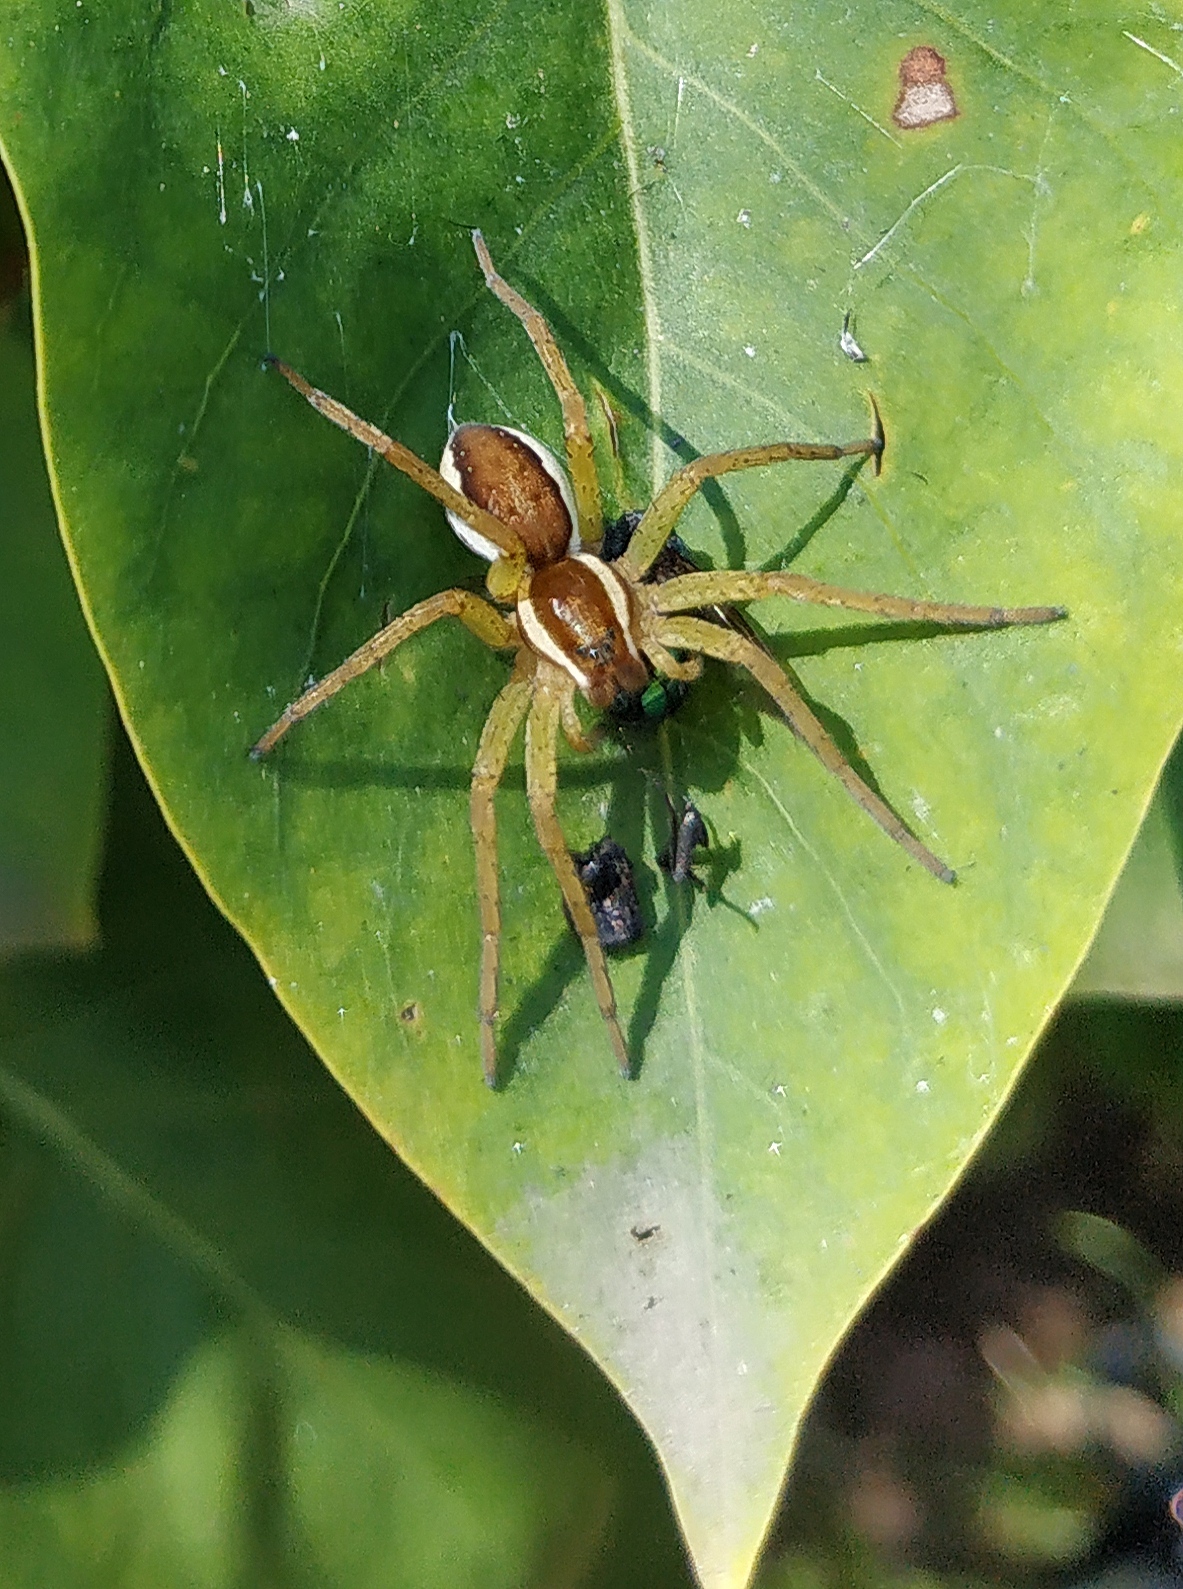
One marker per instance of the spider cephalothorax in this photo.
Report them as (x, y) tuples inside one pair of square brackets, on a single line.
[(579, 624)]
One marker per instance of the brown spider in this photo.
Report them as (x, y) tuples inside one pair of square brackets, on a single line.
[(577, 623)]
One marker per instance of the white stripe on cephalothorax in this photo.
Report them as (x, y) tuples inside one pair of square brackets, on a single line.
[(614, 589), (544, 643)]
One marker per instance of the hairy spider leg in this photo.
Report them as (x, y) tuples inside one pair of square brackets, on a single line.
[(506, 573), (668, 505), (577, 736), (497, 737), (580, 455), (473, 612), (687, 591), (667, 664), (542, 728), (696, 634)]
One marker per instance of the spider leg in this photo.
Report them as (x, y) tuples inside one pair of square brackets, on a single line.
[(668, 505), (541, 778), (668, 665), (688, 591), (421, 473), (577, 736), (497, 736), (474, 613), (580, 456), (696, 634)]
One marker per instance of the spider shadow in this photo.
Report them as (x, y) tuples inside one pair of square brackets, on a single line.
[(846, 636), (681, 902), (633, 404), (360, 772), (700, 749), (685, 754), (789, 553)]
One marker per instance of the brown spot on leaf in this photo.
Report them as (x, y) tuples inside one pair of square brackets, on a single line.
[(925, 95)]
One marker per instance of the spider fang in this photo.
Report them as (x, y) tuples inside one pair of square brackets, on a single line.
[(581, 619)]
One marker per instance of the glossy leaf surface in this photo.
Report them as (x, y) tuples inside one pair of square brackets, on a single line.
[(696, 196)]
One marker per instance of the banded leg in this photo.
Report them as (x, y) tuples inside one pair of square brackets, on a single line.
[(696, 634), (421, 473), (580, 456), (667, 506), (578, 737), (688, 591), (541, 777), (497, 736), (474, 613)]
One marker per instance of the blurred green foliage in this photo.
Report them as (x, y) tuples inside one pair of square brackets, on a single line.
[(1138, 951), (53, 701)]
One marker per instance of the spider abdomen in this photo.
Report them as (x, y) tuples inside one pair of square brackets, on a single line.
[(517, 480), (580, 614)]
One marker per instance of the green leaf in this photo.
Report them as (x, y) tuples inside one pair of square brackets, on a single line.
[(695, 195), (392, 1478), (53, 707)]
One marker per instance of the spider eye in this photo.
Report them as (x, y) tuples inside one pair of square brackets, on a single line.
[(602, 650)]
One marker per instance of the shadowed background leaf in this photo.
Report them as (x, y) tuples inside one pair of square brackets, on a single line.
[(54, 700)]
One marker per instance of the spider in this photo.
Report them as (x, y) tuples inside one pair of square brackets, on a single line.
[(577, 624)]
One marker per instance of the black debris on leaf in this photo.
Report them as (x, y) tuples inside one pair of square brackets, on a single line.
[(607, 877), (688, 833)]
